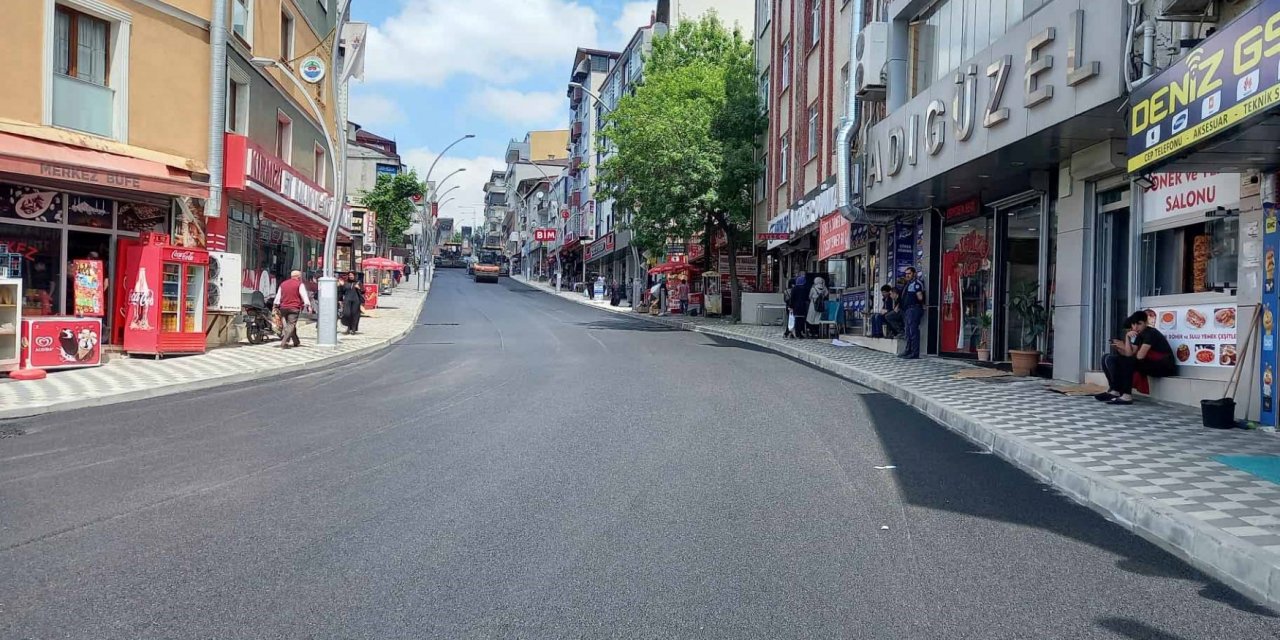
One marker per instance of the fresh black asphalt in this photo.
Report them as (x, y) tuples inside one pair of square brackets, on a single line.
[(524, 467)]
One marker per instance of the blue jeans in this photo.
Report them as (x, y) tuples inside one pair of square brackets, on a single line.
[(913, 317)]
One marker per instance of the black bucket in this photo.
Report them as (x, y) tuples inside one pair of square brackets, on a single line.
[(1219, 413)]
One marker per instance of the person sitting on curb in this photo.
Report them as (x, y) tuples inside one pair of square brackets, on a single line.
[(1143, 352)]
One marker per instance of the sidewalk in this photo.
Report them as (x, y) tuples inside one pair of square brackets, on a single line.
[(1152, 468), (125, 379)]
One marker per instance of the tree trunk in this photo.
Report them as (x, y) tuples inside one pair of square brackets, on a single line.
[(735, 291)]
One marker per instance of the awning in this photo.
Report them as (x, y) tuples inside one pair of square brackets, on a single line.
[(89, 167)]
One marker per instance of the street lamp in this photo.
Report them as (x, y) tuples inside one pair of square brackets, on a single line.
[(449, 190), (427, 180), (327, 319), (446, 178)]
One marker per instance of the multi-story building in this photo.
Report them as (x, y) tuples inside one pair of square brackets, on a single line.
[(535, 159), (805, 82), (590, 67), (104, 135), (369, 155)]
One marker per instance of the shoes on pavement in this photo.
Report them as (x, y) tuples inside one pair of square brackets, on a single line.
[(1105, 396)]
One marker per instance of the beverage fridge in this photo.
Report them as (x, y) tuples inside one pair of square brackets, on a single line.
[(162, 310)]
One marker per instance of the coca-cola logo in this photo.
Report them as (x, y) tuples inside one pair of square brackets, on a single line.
[(142, 298), (44, 342), (183, 256)]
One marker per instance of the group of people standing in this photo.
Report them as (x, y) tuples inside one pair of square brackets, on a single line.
[(806, 303), (901, 311)]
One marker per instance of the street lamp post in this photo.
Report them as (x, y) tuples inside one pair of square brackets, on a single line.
[(327, 314), (422, 279)]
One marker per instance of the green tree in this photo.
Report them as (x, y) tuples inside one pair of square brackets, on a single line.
[(685, 144), (390, 200), (456, 238)]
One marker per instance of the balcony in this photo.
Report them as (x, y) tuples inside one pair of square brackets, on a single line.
[(576, 130), (83, 106), (575, 199)]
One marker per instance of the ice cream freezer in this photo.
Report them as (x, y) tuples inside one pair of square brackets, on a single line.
[(61, 342)]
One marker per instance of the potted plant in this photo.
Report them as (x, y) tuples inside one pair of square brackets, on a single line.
[(984, 345), (1024, 302)]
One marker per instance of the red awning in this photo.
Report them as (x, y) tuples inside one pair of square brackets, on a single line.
[(57, 161), (672, 267), (253, 176)]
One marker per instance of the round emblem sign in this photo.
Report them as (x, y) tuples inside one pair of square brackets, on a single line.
[(312, 69)]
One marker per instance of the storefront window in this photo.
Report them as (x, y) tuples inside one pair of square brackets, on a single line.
[(1191, 259), (40, 248), (839, 270), (966, 283), (1022, 265)]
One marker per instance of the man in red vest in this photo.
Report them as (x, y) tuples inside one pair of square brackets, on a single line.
[(291, 299)]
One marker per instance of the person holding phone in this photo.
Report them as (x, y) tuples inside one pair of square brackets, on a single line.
[(1143, 350)]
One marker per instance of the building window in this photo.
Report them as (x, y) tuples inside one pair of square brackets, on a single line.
[(242, 19), (237, 100), (953, 31), (815, 21), (784, 157), (286, 36), (1195, 258), (844, 91), (284, 137), (762, 181), (764, 13), (786, 64), (764, 90), (80, 50), (319, 174), (813, 132)]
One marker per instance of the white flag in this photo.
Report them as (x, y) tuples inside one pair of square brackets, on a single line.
[(353, 39)]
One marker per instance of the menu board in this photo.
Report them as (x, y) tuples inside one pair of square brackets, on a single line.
[(1201, 335), (90, 294)]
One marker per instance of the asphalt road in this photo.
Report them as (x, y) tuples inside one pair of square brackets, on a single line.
[(525, 467)]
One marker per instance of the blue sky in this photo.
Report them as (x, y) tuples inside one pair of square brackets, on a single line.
[(437, 69)]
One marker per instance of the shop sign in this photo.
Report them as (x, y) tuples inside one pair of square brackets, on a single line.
[(773, 236), (1202, 335), (746, 265), (962, 211), (904, 248), (1270, 307), (280, 178), (817, 203), (1025, 82), (1173, 194), (89, 292), (311, 69), (186, 255), (546, 234), (601, 247), (1230, 78), (780, 227), (862, 233), (61, 343), (90, 176), (30, 203), (833, 236), (89, 211)]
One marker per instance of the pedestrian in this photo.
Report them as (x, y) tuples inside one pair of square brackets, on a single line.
[(887, 323), (912, 302), (407, 271), (291, 299), (790, 330), (589, 284), (352, 297), (662, 295), (1144, 352), (683, 291), (615, 293), (817, 303), (800, 306)]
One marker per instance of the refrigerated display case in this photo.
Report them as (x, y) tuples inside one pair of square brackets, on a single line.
[(61, 342), (10, 322), (164, 310)]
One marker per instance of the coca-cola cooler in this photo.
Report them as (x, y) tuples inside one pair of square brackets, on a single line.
[(163, 310)]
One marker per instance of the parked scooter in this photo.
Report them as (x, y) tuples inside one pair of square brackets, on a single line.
[(257, 320)]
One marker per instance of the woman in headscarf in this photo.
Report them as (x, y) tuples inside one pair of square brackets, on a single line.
[(800, 305), (817, 302)]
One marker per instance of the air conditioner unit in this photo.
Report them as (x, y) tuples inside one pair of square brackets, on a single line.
[(872, 52), (1188, 11), (223, 293)]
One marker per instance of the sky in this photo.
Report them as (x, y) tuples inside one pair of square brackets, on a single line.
[(438, 69)]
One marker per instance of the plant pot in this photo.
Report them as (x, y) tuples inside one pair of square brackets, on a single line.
[(984, 355), (1024, 362)]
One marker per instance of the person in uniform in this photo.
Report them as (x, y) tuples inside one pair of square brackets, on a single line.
[(911, 301)]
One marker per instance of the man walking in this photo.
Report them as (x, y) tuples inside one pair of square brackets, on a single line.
[(291, 299), (912, 303)]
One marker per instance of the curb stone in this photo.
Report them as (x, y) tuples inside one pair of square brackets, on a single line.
[(208, 383), (1244, 567)]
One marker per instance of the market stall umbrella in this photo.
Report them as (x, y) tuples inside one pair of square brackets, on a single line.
[(385, 264), (669, 267)]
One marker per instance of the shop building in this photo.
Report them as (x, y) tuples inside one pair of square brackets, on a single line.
[(369, 155), (590, 69), (1000, 140), (96, 145)]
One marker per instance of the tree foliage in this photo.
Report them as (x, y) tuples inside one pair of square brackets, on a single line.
[(390, 200), (685, 144)]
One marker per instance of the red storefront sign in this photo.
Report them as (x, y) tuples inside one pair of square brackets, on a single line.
[(254, 176), (963, 210), (544, 235), (773, 236), (833, 236), (61, 342)]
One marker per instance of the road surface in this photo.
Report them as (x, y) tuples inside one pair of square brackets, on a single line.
[(525, 467)]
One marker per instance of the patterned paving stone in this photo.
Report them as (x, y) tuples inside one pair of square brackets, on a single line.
[(123, 378)]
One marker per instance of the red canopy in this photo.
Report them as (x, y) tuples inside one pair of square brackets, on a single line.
[(671, 267), (385, 264)]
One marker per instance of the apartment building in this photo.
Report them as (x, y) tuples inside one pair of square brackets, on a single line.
[(369, 155)]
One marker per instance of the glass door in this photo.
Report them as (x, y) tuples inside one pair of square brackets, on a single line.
[(1022, 251), (965, 287), (1111, 259), (170, 296), (193, 299)]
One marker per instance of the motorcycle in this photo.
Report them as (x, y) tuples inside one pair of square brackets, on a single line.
[(258, 323)]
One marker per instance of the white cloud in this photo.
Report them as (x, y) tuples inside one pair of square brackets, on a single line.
[(535, 109), (373, 111), (634, 15), (467, 206), (499, 41)]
